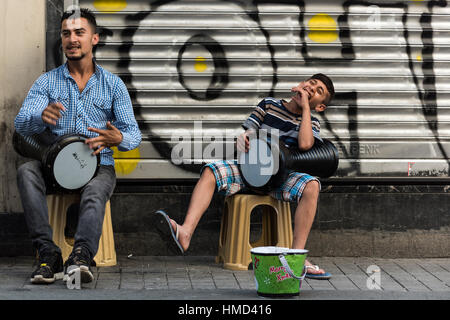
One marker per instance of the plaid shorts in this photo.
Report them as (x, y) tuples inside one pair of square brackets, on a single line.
[(229, 181)]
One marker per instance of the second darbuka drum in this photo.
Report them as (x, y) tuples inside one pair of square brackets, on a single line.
[(269, 162), (67, 162)]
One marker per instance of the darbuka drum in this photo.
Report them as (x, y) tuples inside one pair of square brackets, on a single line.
[(67, 162), (259, 167), (268, 163)]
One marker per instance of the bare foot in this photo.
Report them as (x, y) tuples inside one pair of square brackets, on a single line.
[(183, 236), (311, 270)]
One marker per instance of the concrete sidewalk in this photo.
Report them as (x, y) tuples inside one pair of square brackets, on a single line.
[(200, 278)]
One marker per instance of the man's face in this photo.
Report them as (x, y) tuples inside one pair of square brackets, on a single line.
[(317, 93), (78, 38)]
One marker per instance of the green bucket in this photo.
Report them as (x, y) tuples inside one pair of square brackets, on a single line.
[(279, 272)]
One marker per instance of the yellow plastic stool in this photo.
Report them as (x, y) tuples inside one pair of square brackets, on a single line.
[(57, 209), (234, 240)]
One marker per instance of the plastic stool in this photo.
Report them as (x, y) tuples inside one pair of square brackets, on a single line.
[(234, 240), (58, 205)]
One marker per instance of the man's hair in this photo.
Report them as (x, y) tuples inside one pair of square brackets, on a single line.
[(81, 13), (327, 82)]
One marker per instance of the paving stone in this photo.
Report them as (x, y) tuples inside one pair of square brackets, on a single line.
[(245, 279), (353, 272), (402, 277), (108, 281), (187, 273), (342, 282), (422, 275), (319, 284), (132, 280), (157, 280)]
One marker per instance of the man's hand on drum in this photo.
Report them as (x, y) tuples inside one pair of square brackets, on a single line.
[(52, 113), (106, 138), (243, 142)]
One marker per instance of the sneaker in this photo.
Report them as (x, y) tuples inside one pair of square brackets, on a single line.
[(50, 267), (79, 259)]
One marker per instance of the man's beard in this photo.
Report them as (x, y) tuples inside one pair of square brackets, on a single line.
[(75, 58)]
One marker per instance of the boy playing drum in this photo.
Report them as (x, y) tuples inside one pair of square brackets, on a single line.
[(296, 127)]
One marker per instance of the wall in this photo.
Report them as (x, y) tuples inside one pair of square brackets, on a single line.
[(211, 61), (198, 68), (22, 60)]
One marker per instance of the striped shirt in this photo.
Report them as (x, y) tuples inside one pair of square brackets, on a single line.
[(105, 98), (272, 114)]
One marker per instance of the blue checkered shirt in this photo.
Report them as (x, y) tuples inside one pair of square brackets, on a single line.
[(105, 98)]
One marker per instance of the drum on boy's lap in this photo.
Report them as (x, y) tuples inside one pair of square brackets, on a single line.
[(269, 162)]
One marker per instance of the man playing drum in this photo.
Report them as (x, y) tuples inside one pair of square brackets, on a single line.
[(296, 128), (78, 97)]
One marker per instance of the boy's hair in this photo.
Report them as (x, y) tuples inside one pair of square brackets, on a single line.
[(83, 13), (327, 82)]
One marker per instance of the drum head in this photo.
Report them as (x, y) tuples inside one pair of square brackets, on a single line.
[(258, 164), (74, 165)]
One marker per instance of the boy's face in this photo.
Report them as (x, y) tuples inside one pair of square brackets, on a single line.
[(78, 38), (317, 94)]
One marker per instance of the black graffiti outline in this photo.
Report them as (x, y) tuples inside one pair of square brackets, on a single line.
[(352, 111), (219, 79), (428, 98), (348, 55), (347, 49), (164, 148), (161, 146), (429, 109)]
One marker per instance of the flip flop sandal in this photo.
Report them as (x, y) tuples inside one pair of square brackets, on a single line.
[(165, 230), (317, 276)]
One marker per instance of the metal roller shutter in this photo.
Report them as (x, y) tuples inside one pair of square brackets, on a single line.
[(212, 61)]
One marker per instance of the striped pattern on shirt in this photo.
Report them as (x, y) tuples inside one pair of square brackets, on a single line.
[(271, 113)]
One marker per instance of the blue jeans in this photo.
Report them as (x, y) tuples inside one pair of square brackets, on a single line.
[(94, 195)]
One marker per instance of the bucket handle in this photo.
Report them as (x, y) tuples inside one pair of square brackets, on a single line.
[(288, 269)]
